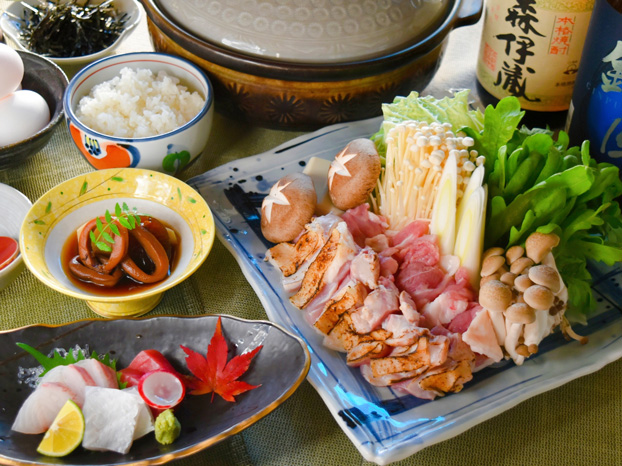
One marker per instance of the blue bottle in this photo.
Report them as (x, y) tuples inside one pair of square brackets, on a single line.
[(596, 108)]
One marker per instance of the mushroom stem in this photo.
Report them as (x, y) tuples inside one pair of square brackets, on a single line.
[(569, 332)]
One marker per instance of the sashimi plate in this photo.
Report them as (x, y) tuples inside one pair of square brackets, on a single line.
[(280, 367), (384, 425)]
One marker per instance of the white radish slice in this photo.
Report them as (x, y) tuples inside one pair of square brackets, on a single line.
[(103, 375), (161, 389), (74, 377), (39, 410)]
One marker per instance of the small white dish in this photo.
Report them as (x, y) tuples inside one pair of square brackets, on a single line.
[(11, 27), (13, 209)]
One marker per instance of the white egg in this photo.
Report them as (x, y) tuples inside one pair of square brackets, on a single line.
[(12, 70), (22, 114)]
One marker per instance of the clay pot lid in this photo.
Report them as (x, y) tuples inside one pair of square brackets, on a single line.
[(308, 31)]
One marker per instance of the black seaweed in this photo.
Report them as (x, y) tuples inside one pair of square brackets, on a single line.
[(70, 28)]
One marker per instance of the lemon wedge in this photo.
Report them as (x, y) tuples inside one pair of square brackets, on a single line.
[(65, 433)]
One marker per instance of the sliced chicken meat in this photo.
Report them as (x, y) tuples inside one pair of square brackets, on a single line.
[(351, 298), (338, 251)]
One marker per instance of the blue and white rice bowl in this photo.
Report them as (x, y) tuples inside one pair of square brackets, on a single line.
[(169, 152)]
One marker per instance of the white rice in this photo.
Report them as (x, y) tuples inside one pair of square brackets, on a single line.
[(138, 104)]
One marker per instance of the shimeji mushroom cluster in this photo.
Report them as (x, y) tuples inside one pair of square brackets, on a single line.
[(524, 295)]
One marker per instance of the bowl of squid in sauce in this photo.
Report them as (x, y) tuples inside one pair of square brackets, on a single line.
[(130, 266), (172, 235)]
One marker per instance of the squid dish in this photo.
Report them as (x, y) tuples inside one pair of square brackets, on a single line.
[(142, 254)]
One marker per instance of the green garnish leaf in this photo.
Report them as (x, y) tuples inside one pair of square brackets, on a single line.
[(100, 225), (71, 357), (103, 246), (124, 216), (115, 229), (123, 221)]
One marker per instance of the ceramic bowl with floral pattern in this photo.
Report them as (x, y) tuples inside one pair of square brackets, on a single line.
[(167, 152), (58, 214)]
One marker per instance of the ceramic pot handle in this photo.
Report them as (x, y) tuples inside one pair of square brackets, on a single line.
[(469, 13)]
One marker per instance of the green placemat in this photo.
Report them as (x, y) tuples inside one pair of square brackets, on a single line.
[(576, 424)]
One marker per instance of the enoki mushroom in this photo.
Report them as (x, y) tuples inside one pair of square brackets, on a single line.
[(107, 268)]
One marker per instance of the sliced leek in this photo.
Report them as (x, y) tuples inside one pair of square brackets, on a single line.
[(443, 222), (470, 236)]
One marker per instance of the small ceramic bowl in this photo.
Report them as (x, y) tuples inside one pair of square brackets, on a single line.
[(11, 23), (60, 211), (47, 79), (169, 152), (13, 208)]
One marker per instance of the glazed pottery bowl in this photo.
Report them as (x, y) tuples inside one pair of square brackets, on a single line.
[(168, 152), (13, 208), (48, 80), (262, 82), (62, 210), (12, 23)]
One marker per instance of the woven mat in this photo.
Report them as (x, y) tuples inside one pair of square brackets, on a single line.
[(577, 424)]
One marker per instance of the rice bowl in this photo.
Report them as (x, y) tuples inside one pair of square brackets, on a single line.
[(157, 114), (139, 103)]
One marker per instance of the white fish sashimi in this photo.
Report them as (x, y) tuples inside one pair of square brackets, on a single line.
[(144, 421), (75, 377), (103, 375), (110, 417), (40, 409)]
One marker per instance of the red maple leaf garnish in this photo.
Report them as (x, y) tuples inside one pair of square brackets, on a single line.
[(214, 374)]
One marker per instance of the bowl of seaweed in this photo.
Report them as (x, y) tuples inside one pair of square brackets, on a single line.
[(70, 32)]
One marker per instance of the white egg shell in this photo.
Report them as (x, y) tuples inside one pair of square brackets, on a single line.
[(22, 114), (12, 70)]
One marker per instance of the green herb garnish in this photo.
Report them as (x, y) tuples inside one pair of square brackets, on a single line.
[(70, 358), (128, 219)]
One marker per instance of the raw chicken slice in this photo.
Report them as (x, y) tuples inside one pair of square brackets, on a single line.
[(40, 409), (76, 378), (409, 308), (364, 224), (103, 375), (365, 268), (410, 232), (377, 306), (481, 336)]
